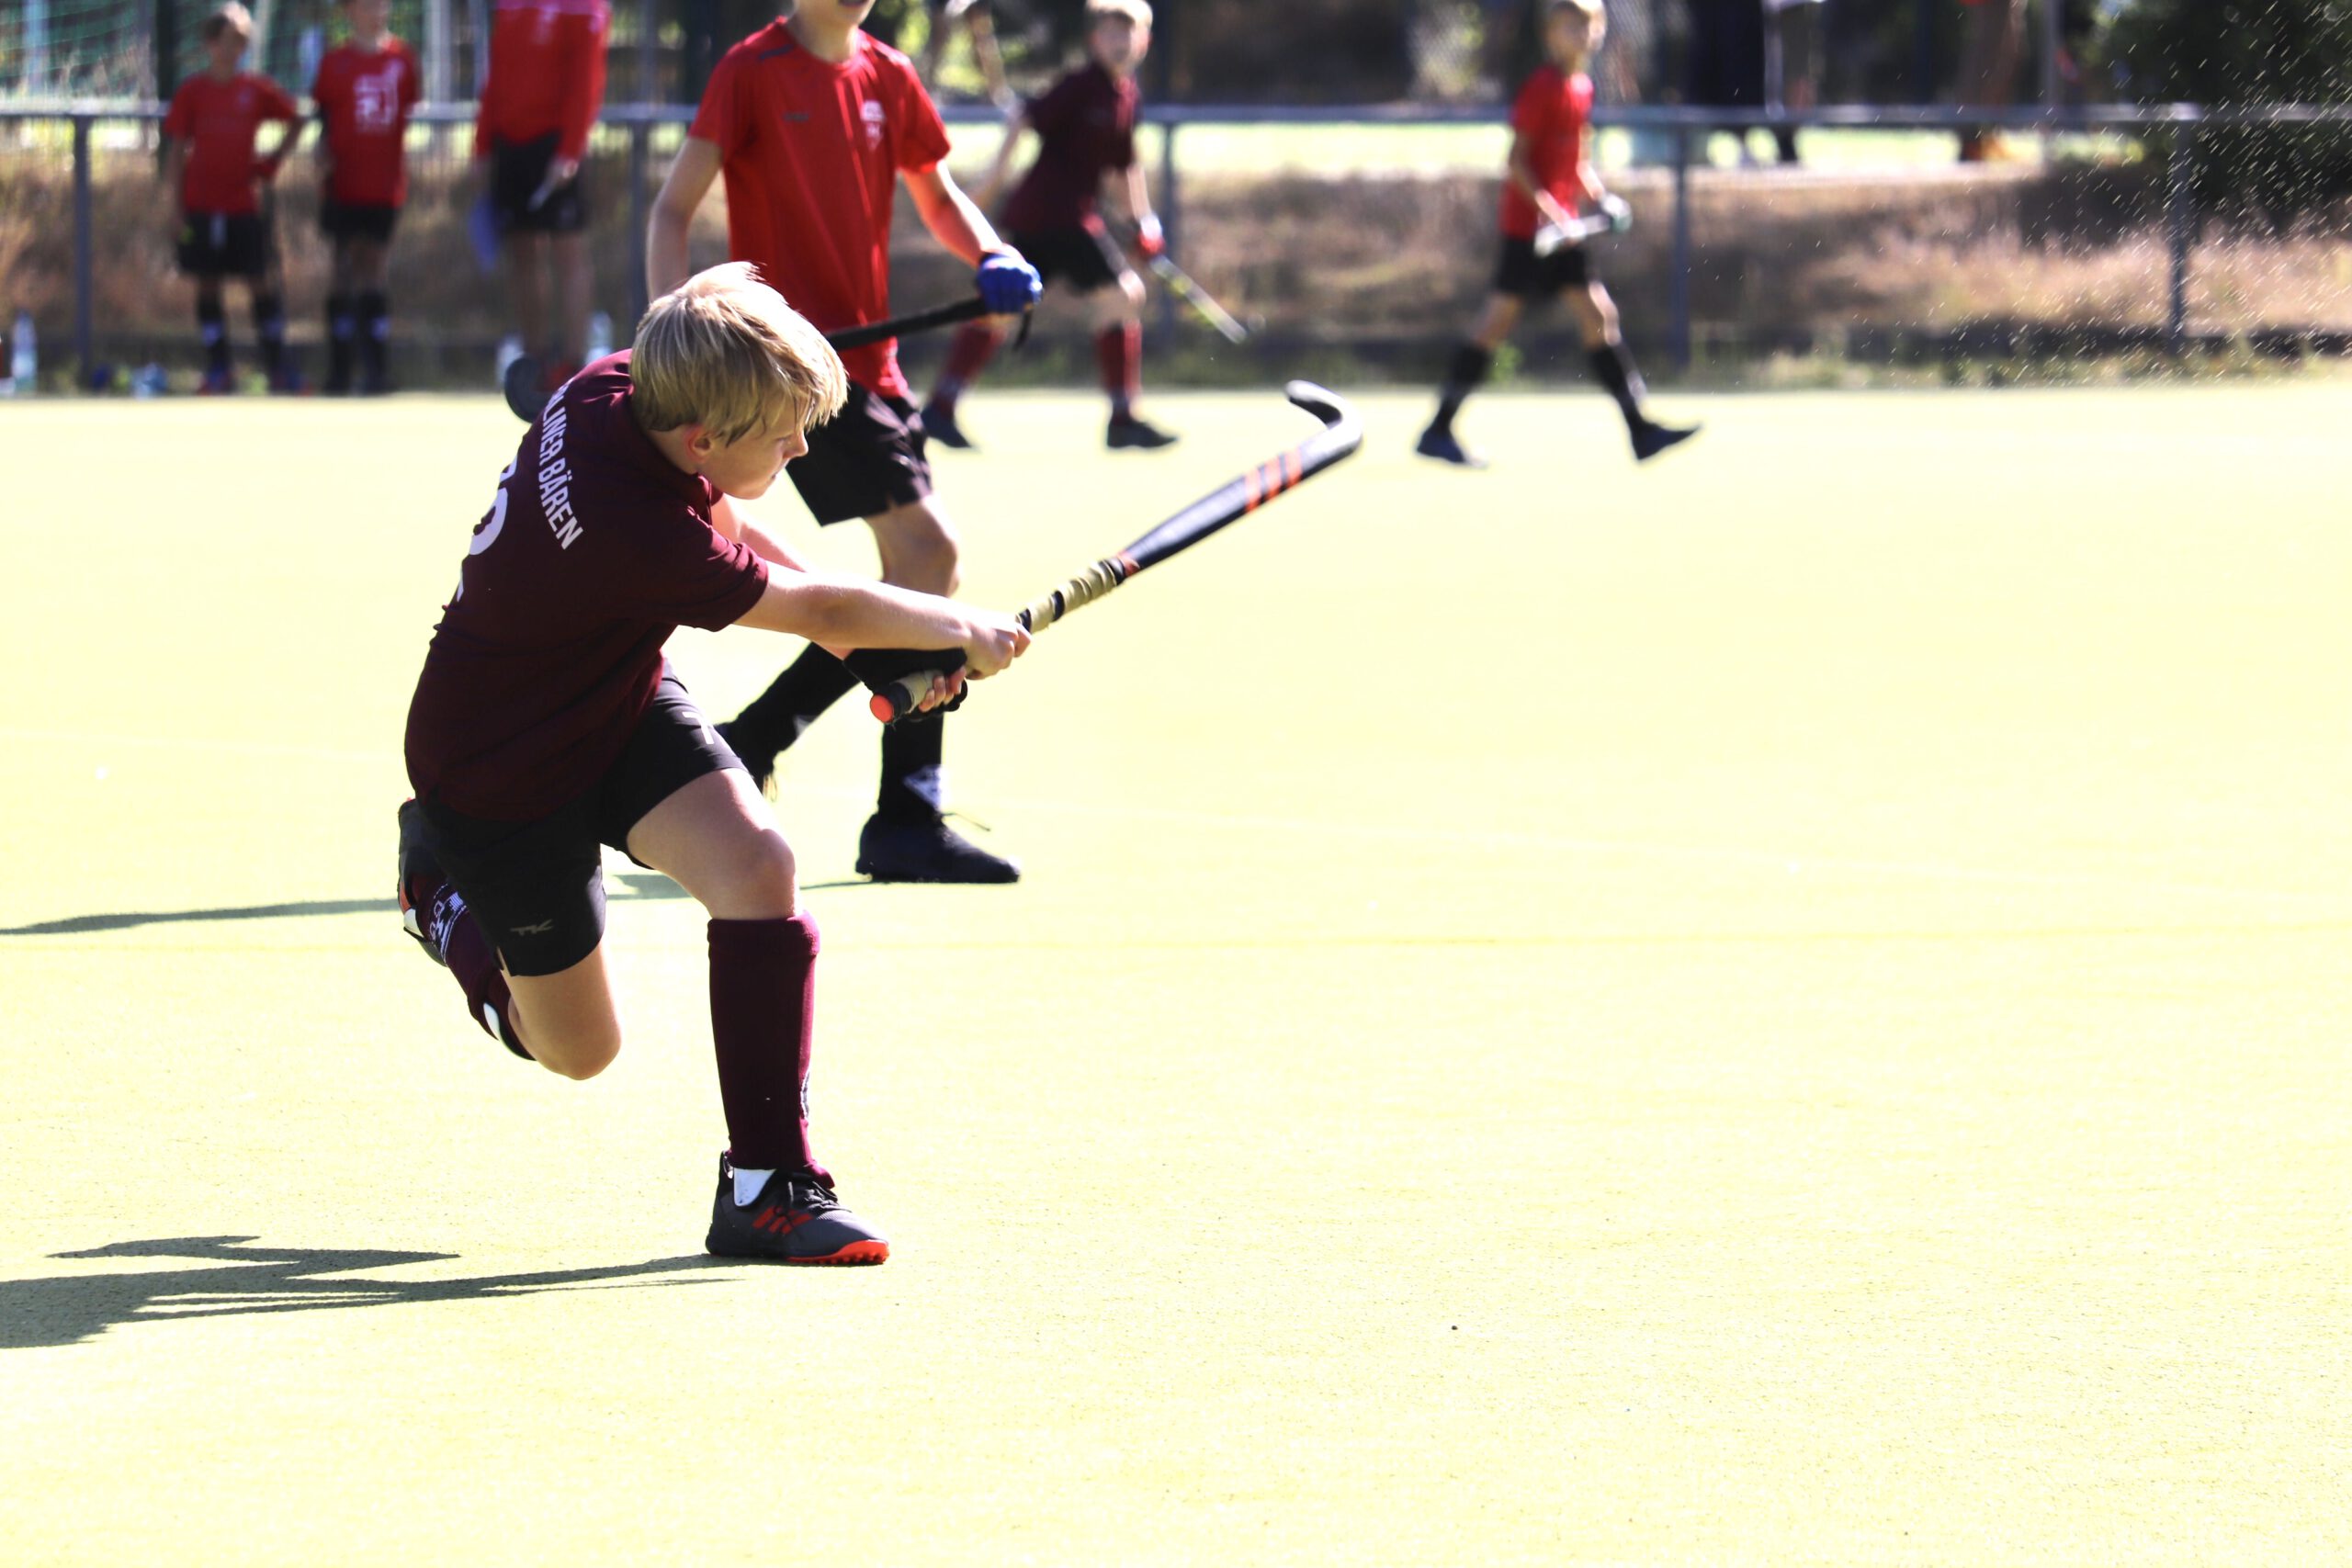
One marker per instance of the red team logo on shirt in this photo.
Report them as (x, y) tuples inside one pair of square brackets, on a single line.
[(376, 101), (872, 111)]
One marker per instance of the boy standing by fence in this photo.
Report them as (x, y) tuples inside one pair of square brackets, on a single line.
[(222, 227), (1547, 178), (1086, 132), (546, 83), (365, 89), (546, 722), (814, 125)]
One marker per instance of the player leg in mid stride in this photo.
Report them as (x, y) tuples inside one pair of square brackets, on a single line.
[(1547, 176), (546, 724), (814, 126), (1086, 131)]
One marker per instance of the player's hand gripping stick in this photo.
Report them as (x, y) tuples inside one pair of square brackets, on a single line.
[(1342, 433)]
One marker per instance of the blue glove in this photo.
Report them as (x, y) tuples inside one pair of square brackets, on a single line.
[(1008, 285)]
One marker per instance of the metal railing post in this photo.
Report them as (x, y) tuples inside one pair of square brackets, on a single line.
[(641, 140), (2179, 218), (1678, 283), (86, 281), (1170, 207)]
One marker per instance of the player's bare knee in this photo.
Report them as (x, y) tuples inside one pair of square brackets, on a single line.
[(1131, 294), (920, 550), (767, 885), (578, 1056)]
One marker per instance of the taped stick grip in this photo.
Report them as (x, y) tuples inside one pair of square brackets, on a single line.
[(900, 696)]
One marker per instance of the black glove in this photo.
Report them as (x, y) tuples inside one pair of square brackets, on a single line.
[(881, 670)]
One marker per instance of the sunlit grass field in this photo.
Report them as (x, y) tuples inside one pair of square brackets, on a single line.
[(1790, 1005)]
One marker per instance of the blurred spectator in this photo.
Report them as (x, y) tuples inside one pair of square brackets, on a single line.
[(1990, 53), (1791, 64), (1724, 67)]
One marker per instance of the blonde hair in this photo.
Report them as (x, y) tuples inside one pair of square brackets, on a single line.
[(231, 18), (1591, 9), (723, 350), (1137, 11)]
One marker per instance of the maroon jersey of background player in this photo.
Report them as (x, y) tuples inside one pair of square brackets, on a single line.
[(812, 154), (1551, 113), (218, 121), (364, 98), (546, 74), (596, 548), (1086, 127)]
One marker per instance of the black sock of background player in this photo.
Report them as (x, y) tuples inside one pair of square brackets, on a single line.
[(343, 336), (810, 685), (1464, 374), (911, 788), (763, 989), (269, 325), (212, 327), (1613, 368), (375, 332)]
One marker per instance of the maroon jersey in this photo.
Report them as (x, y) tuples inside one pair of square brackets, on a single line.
[(596, 548), (1551, 113), (219, 120), (812, 153), (364, 98), (1086, 127)]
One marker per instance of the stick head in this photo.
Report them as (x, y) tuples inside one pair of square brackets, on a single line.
[(1320, 401)]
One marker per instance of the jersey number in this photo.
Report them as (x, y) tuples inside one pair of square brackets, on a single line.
[(486, 531)]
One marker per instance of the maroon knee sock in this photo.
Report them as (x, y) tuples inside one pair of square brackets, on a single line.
[(1118, 353), (974, 345), (762, 985), (489, 1001)]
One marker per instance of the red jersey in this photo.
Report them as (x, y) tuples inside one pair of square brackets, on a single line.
[(364, 98), (219, 120), (1550, 117), (546, 74), (596, 548), (1086, 127), (812, 153)]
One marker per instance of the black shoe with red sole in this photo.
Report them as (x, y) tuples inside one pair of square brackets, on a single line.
[(795, 1219)]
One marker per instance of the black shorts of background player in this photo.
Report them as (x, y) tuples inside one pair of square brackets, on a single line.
[(1547, 176), (220, 210), (1085, 125)]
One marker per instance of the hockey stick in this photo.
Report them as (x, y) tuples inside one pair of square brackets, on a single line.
[(1237, 498), (1181, 283), (521, 386)]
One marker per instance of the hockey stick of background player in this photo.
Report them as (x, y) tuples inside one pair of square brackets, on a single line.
[(522, 375), (1181, 283), (1237, 498)]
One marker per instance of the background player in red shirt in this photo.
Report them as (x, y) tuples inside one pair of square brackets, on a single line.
[(1086, 131), (546, 722), (1548, 175), (814, 124), (365, 89), (219, 229), (546, 83)]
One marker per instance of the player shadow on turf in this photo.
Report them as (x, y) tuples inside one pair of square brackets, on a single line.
[(67, 1309), (652, 886)]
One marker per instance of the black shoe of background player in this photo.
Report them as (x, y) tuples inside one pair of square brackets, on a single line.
[(1446, 447), (939, 424), (926, 850), (420, 879), (760, 768), (795, 1219), (1127, 433), (1650, 438)]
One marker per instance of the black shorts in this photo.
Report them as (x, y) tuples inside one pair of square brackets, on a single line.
[(223, 244), (1083, 256), (1530, 277), (516, 169), (865, 460), (356, 220), (538, 887)]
